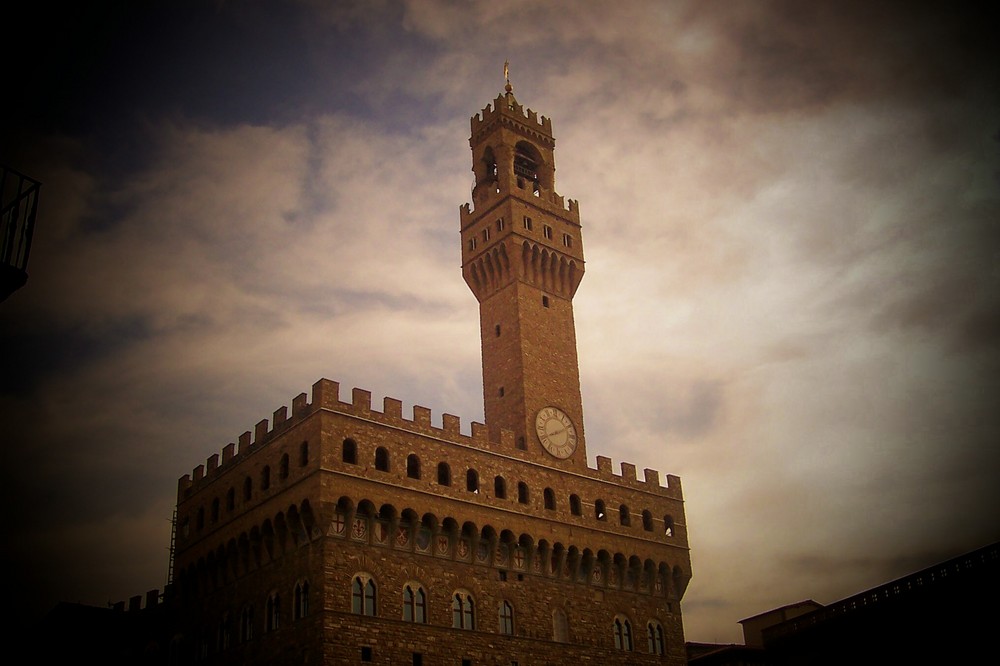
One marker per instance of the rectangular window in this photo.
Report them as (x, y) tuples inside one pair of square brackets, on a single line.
[(366, 654), (500, 224), (547, 231), (567, 240), (472, 243), (486, 234), (527, 223)]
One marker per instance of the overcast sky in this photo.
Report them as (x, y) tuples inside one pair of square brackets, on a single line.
[(791, 214)]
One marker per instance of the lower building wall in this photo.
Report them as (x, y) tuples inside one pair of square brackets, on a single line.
[(400, 643)]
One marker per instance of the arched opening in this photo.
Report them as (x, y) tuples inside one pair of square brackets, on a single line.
[(624, 517), (574, 505), (499, 488), (522, 492), (382, 459), (647, 521), (550, 499), (529, 168), (413, 466), (350, 452), (599, 511), (444, 474), (472, 481)]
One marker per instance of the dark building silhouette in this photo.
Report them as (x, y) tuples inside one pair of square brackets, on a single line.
[(941, 615)]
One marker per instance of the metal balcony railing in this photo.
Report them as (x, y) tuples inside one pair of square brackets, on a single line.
[(18, 207)]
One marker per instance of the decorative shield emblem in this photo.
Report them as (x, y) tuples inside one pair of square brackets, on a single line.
[(339, 524), (595, 575), (381, 532), (518, 558), (423, 539), (442, 544), (463, 548), (402, 536), (500, 557), (536, 565), (359, 530), (483, 552)]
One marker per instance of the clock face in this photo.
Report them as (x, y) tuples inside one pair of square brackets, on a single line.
[(556, 432)]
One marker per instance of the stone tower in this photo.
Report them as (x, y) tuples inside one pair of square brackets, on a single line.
[(522, 256)]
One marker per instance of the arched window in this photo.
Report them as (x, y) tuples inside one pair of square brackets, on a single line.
[(301, 608), (225, 633), (247, 489), (382, 459), (623, 634), (499, 488), (303, 454), (574, 505), (654, 634), (413, 466), (599, 511), (414, 603), (668, 526), (231, 499), (215, 510), (273, 615), (444, 474), (463, 611), (522, 492), (283, 467), (647, 521), (200, 520), (246, 624), (350, 452), (624, 517), (560, 626), (472, 481), (363, 595), (550, 499), (506, 618), (265, 477)]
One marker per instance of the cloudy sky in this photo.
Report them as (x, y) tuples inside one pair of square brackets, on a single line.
[(792, 300)]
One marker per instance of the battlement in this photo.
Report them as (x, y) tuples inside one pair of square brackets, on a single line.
[(506, 105), (153, 599), (326, 396), (568, 209)]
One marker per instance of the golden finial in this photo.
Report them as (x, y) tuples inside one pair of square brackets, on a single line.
[(506, 75)]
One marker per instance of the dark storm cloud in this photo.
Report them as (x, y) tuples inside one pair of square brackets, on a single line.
[(794, 56)]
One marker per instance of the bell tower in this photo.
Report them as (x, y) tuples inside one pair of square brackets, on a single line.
[(522, 257)]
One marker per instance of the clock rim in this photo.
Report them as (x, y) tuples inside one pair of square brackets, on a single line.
[(575, 438)]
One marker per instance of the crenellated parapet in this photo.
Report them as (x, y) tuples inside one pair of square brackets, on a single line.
[(326, 396), (550, 202), (505, 109)]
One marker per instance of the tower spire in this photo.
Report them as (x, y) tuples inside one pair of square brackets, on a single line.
[(506, 75)]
